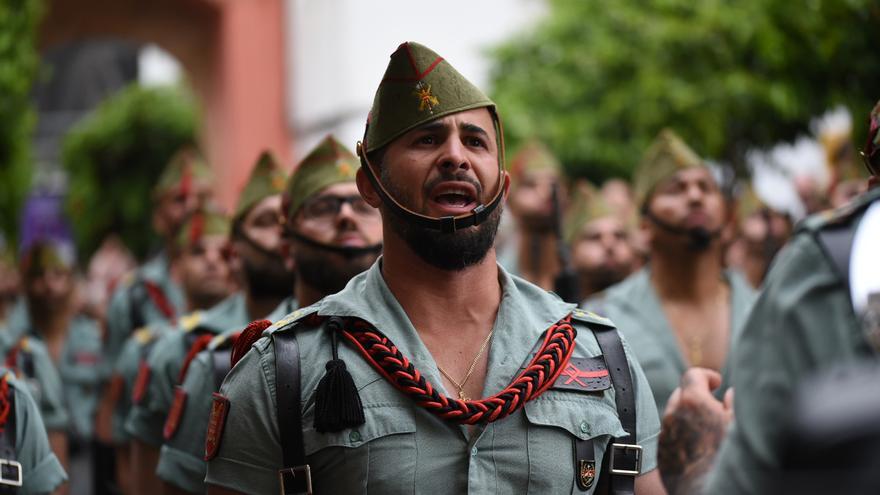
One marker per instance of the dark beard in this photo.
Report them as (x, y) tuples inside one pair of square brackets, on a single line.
[(603, 277), (699, 239), (268, 280), (450, 251), (328, 273)]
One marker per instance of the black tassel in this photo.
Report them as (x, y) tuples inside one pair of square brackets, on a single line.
[(337, 402)]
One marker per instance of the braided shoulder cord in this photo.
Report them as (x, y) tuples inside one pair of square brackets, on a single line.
[(5, 405), (550, 360)]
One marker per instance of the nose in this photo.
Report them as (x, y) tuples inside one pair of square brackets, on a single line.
[(453, 156), (694, 193)]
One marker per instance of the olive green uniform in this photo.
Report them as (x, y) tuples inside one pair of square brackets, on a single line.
[(635, 308), (803, 323), (44, 382), (146, 419), (40, 470), (182, 459), (402, 448)]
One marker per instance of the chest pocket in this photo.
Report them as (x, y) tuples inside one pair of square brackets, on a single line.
[(376, 457), (556, 419)]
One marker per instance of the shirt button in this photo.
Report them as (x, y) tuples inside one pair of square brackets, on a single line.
[(354, 436), (585, 427), (474, 452)]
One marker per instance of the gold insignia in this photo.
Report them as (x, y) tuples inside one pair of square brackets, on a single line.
[(586, 473), (287, 319), (189, 322), (278, 182), (344, 169), (427, 101)]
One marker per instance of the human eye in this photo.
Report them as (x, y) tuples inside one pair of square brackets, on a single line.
[(477, 142)]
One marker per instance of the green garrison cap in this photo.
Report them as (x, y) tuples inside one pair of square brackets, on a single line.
[(533, 156), (203, 222), (329, 163), (418, 87), (586, 204), (185, 167), (267, 179), (667, 155)]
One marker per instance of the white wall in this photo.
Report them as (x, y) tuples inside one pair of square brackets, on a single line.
[(337, 51)]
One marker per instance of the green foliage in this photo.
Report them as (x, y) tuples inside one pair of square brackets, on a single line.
[(116, 154), (598, 79), (18, 64)]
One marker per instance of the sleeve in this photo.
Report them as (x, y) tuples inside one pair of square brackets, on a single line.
[(147, 418), (778, 344), (249, 453), (647, 418), (41, 471), (182, 459)]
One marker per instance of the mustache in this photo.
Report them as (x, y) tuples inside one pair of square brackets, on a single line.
[(446, 176)]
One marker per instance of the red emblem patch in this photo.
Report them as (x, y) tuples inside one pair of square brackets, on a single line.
[(86, 358), (584, 375), (174, 414), (141, 383), (216, 424)]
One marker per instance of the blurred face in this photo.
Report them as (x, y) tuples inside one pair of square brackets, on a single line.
[(9, 282), (690, 201), (257, 248), (602, 253), (531, 199), (204, 272), (336, 216), (173, 207), (50, 289), (445, 168)]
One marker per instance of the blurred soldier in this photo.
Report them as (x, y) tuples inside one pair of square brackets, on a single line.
[(27, 464), (818, 311), (151, 294), (762, 233), (204, 277), (9, 281), (683, 309), (256, 259), (601, 251), (535, 174), (335, 235), (350, 394)]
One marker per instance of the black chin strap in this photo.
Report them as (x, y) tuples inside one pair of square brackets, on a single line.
[(240, 235), (698, 236), (347, 251)]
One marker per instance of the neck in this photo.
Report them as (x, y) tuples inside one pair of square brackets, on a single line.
[(306, 295), (260, 307), (538, 259), (51, 324), (438, 300), (677, 274)]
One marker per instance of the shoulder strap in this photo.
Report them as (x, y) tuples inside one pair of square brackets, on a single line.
[(837, 242), (295, 475), (623, 456), (137, 296)]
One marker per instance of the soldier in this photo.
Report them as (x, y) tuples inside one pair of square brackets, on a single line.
[(9, 281), (254, 246), (335, 235), (535, 174), (436, 313), (601, 249), (818, 311), (27, 464), (204, 276), (151, 294), (683, 309)]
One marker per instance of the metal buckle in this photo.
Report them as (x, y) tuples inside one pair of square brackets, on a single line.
[(626, 447), (7, 481), (305, 472)]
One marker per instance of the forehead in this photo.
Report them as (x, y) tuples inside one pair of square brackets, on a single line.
[(692, 174), (339, 189), (267, 204), (479, 117), (209, 241), (608, 223)]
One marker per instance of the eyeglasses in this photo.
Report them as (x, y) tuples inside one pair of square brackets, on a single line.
[(325, 208)]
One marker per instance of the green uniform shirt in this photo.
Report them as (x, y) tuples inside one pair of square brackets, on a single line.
[(403, 448), (121, 315), (182, 459), (40, 470), (634, 307), (44, 383), (803, 323), (135, 350), (146, 419)]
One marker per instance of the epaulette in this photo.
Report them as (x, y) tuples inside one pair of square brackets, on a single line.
[(292, 319), (591, 318), (25, 344), (836, 216), (190, 321), (144, 334), (128, 279), (221, 341)]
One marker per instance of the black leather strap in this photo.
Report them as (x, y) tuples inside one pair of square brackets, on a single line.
[(837, 242), (287, 398), (624, 397), (221, 360), (584, 463)]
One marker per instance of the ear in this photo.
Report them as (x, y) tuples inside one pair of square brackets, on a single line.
[(365, 187), (506, 184), (234, 260)]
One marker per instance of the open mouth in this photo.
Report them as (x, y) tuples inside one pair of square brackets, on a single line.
[(457, 197)]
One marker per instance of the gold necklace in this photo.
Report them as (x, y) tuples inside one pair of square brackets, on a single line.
[(460, 386)]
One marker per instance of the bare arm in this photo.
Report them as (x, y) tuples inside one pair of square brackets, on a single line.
[(58, 444), (144, 459), (650, 484), (694, 425)]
